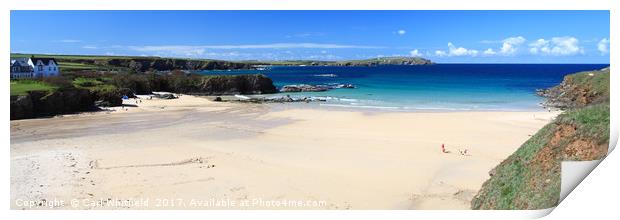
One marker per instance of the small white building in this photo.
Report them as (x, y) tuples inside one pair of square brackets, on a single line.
[(34, 68)]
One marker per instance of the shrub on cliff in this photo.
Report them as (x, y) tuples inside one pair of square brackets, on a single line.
[(138, 83), (58, 81)]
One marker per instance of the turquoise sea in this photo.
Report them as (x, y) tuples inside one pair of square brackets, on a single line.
[(438, 87)]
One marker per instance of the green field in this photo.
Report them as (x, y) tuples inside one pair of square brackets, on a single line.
[(21, 87), (69, 66)]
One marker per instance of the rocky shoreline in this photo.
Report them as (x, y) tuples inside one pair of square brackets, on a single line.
[(71, 99), (572, 94)]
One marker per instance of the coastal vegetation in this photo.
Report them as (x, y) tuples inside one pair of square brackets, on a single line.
[(87, 90), (530, 178), (70, 63), (21, 87)]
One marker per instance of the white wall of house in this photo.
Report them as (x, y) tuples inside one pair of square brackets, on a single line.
[(41, 69), (22, 75)]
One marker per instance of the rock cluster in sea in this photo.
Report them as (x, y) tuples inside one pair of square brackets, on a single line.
[(280, 99), (314, 88)]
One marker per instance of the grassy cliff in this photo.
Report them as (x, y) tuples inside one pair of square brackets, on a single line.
[(71, 63), (530, 178)]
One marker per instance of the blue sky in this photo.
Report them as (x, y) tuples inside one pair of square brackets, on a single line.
[(442, 36)]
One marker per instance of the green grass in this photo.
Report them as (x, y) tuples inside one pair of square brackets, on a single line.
[(510, 188), (70, 66), (21, 87), (591, 121), (92, 84), (519, 183), (598, 81)]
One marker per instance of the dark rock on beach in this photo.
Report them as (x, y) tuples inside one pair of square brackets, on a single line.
[(164, 96), (236, 84)]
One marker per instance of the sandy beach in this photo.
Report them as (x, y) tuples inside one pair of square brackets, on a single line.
[(192, 153)]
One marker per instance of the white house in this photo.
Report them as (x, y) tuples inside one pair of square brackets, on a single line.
[(34, 67)]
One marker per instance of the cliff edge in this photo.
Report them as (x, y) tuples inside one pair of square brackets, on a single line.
[(530, 178)]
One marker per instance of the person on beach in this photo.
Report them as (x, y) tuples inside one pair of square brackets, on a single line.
[(443, 149), (463, 152)]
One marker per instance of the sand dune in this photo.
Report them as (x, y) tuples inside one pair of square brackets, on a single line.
[(190, 153)]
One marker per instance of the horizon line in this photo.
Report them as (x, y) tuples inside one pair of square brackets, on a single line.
[(188, 58)]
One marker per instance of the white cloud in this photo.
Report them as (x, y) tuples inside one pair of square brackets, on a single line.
[(440, 53), (401, 32), (89, 47), (489, 52), (510, 45), (557, 46), (460, 51), (415, 53), (541, 45), (603, 46)]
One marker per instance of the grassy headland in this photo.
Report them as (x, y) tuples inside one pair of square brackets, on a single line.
[(71, 63), (530, 178)]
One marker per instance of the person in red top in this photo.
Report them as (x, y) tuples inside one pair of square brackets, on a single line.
[(443, 149)]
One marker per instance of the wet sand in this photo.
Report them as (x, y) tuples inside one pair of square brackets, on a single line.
[(191, 153)]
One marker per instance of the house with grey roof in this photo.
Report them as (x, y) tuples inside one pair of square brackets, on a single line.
[(34, 67), (20, 69)]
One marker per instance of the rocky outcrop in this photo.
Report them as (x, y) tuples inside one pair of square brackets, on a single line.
[(303, 88), (314, 88), (386, 61), (280, 99), (578, 90), (109, 98), (234, 85), (21, 107), (46, 103)]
